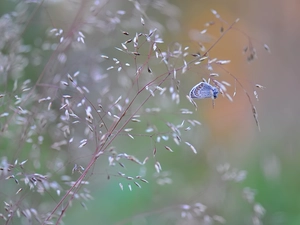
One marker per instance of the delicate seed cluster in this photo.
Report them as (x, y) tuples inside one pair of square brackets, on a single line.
[(92, 105)]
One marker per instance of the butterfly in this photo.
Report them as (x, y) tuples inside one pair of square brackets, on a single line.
[(204, 90)]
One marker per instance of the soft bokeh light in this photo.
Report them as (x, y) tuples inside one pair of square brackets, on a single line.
[(239, 175)]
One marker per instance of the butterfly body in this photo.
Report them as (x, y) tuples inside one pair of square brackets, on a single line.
[(204, 90)]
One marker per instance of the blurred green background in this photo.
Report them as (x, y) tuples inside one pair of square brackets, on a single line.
[(228, 134)]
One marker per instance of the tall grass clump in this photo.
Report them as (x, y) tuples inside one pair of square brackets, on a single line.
[(90, 91)]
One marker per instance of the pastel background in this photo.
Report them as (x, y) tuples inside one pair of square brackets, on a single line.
[(228, 134)]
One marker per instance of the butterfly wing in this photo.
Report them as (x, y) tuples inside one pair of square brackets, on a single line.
[(202, 90)]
